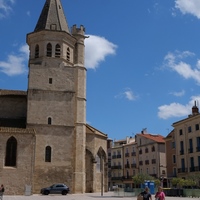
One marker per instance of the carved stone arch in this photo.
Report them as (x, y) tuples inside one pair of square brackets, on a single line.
[(102, 154), (103, 169), (89, 171)]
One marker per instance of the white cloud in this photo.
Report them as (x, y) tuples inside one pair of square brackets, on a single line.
[(189, 7), (96, 50), (175, 62), (178, 94), (15, 64), (128, 94), (5, 7), (177, 109)]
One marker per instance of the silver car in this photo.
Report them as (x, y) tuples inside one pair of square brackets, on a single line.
[(58, 188)]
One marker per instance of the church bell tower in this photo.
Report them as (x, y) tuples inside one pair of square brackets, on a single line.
[(56, 100)]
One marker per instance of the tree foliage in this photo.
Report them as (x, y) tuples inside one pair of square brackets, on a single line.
[(140, 178), (179, 182)]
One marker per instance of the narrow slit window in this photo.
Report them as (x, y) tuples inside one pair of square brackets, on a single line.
[(57, 51), (68, 54), (50, 80), (48, 154), (37, 51), (49, 50), (49, 121)]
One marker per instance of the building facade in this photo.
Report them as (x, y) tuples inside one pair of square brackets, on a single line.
[(151, 155), (145, 154), (187, 145), (170, 146), (44, 137)]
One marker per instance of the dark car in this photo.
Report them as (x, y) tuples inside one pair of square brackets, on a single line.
[(58, 188)]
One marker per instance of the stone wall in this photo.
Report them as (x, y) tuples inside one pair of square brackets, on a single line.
[(15, 178)]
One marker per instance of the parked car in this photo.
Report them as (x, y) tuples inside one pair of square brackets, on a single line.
[(58, 188)]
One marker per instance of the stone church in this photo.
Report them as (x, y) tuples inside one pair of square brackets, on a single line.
[(44, 137)]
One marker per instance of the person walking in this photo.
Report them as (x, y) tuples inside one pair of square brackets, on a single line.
[(2, 189), (145, 195), (160, 195)]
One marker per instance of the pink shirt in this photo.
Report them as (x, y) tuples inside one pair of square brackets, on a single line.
[(160, 195)]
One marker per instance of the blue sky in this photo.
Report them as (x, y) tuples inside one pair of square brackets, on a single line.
[(142, 56)]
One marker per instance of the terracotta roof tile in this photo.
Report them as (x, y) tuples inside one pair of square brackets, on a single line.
[(156, 138)]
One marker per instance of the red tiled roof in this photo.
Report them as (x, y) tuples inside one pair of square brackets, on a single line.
[(156, 138)]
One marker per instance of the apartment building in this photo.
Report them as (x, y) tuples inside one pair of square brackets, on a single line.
[(145, 153), (187, 143), (117, 162), (130, 163), (170, 146), (151, 155)]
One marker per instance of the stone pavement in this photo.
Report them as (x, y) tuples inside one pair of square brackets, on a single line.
[(87, 196)]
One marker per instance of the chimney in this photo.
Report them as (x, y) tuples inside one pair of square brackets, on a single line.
[(195, 109)]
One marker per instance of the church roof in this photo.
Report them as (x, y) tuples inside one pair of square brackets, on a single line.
[(52, 17), (93, 130), (12, 92)]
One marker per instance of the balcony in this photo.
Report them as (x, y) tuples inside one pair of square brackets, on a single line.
[(192, 169), (114, 156), (133, 153), (153, 161), (128, 178), (140, 162), (146, 162), (133, 165), (195, 169), (181, 152), (154, 175), (116, 167), (182, 170), (127, 165), (126, 154), (198, 149), (116, 178), (190, 150)]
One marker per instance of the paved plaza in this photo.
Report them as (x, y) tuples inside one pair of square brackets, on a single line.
[(87, 196)]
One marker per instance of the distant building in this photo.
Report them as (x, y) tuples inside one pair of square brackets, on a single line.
[(145, 153), (151, 155), (187, 144), (171, 157)]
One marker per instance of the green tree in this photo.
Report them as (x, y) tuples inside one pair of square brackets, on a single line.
[(141, 178), (175, 181), (157, 182)]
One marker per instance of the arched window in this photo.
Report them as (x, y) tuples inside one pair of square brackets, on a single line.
[(57, 51), (48, 154), (37, 51), (11, 152), (49, 50), (49, 120), (68, 54)]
